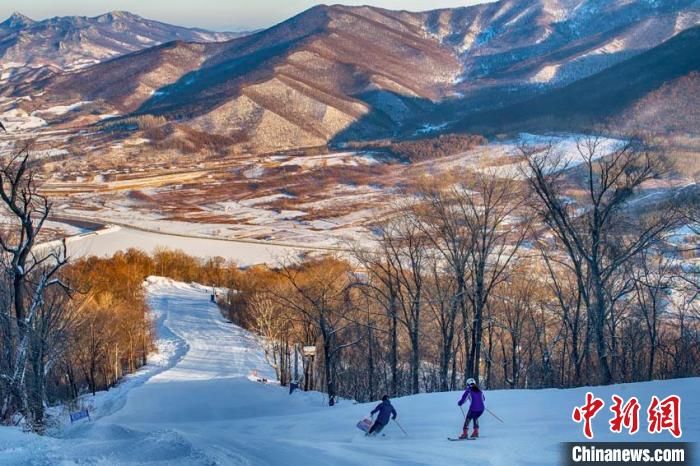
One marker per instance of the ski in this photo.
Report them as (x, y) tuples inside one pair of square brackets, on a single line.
[(460, 439)]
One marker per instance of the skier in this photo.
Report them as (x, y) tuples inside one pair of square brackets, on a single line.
[(476, 405), (385, 410)]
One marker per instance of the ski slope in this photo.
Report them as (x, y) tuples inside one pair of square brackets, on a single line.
[(194, 404)]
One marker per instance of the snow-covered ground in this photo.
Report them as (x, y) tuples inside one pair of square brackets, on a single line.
[(194, 404), (503, 158), (107, 242)]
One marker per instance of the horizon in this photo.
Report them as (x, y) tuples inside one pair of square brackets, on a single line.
[(209, 13)]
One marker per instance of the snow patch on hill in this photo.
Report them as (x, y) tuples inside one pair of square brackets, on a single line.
[(17, 119), (545, 74), (63, 109)]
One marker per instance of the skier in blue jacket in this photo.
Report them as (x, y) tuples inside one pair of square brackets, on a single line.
[(476, 404), (385, 410)]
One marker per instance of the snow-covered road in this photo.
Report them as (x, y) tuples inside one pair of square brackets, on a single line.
[(194, 404)]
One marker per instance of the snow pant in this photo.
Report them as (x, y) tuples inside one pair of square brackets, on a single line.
[(472, 415), (376, 428)]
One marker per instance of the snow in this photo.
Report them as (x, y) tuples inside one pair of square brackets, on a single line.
[(567, 146), (564, 147), (245, 253), (264, 199), (254, 173), (684, 234), (352, 159), (195, 404), (17, 119), (546, 74), (48, 153), (63, 109), (430, 128), (80, 64), (144, 40)]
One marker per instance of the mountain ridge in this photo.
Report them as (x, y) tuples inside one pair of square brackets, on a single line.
[(624, 91), (75, 42), (337, 73)]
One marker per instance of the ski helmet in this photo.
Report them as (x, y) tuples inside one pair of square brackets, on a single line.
[(471, 381)]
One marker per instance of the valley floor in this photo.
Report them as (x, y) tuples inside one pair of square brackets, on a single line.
[(106, 242), (194, 404)]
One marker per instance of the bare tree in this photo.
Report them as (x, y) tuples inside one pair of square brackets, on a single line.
[(447, 234), (406, 246), (383, 286), (490, 209), (652, 281), (474, 225), (273, 324), (31, 274), (440, 294), (597, 234), (568, 298), (319, 296)]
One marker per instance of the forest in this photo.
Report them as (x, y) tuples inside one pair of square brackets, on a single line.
[(550, 277)]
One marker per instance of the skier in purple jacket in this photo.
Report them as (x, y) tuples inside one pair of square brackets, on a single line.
[(475, 400)]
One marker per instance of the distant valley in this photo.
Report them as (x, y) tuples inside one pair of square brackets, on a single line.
[(304, 131)]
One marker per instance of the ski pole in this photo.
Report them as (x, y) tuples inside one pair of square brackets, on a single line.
[(397, 423), (463, 413), (491, 413)]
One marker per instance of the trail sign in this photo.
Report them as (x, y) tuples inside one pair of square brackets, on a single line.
[(82, 414)]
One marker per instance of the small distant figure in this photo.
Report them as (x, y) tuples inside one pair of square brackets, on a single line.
[(293, 386), (386, 411), (476, 404)]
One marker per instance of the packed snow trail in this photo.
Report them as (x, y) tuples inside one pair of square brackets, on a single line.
[(193, 404)]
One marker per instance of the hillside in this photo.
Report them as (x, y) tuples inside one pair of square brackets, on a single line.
[(658, 89), (296, 84), (554, 42), (73, 42), (337, 73), (195, 404)]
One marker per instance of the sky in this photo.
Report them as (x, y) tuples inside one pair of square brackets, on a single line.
[(211, 14)]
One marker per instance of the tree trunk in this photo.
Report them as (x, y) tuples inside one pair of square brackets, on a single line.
[(415, 361), (393, 355), (370, 363), (599, 327)]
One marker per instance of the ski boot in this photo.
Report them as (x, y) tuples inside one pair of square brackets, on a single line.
[(465, 434), (475, 434)]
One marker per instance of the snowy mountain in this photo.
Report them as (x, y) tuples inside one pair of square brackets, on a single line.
[(74, 42), (297, 84), (656, 89), (338, 73), (196, 404), (555, 41)]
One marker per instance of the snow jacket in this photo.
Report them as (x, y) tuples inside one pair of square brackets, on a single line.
[(475, 398), (385, 410)]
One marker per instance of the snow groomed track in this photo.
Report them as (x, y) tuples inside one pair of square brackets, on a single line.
[(194, 404)]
